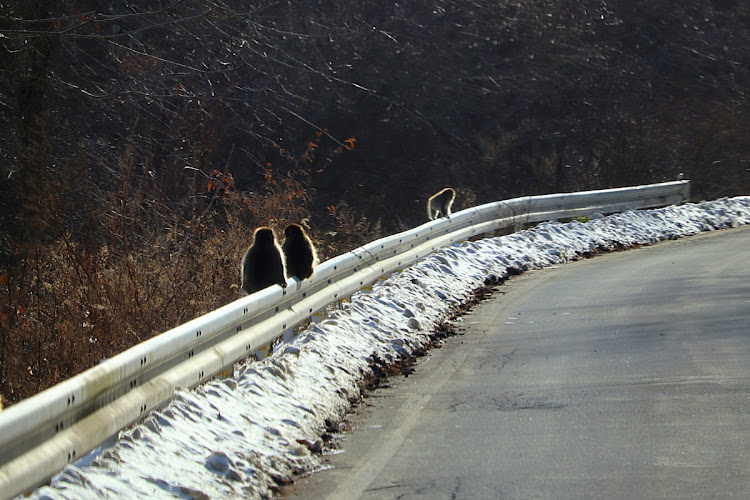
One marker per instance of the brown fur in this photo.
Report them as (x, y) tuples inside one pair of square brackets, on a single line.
[(440, 203)]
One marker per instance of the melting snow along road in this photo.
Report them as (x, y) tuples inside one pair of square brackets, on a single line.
[(241, 437), (625, 376)]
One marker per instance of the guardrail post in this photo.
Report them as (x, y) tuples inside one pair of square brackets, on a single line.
[(318, 316), (226, 372), (289, 335), (263, 352)]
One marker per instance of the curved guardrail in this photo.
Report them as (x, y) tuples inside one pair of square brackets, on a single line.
[(40, 435)]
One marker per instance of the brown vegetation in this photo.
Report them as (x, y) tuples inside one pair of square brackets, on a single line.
[(142, 142)]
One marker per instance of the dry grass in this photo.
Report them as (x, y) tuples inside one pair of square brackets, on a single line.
[(69, 300)]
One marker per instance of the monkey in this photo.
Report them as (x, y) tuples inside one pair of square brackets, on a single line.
[(262, 265), (299, 252), (440, 203)]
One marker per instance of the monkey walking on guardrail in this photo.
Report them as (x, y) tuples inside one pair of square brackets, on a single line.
[(439, 204), (262, 265), (299, 252)]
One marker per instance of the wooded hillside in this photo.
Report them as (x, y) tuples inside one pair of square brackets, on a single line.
[(142, 142)]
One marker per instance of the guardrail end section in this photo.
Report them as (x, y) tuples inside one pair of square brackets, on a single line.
[(685, 191)]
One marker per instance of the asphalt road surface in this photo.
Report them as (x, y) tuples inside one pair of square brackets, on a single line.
[(623, 376)]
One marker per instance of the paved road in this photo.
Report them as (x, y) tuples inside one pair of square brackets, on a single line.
[(624, 376)]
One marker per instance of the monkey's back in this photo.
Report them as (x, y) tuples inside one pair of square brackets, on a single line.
[(300, 257), (262, 267), (440, 203)]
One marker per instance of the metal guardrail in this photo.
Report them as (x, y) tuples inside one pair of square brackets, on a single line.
[(40, 435)]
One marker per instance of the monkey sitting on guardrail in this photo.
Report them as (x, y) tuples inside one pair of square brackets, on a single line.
[(299, 252), (262, 265)]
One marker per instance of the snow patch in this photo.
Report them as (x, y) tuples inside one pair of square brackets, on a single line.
[(241, 437)]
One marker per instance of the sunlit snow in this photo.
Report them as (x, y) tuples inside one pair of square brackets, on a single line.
[(239, 437)]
